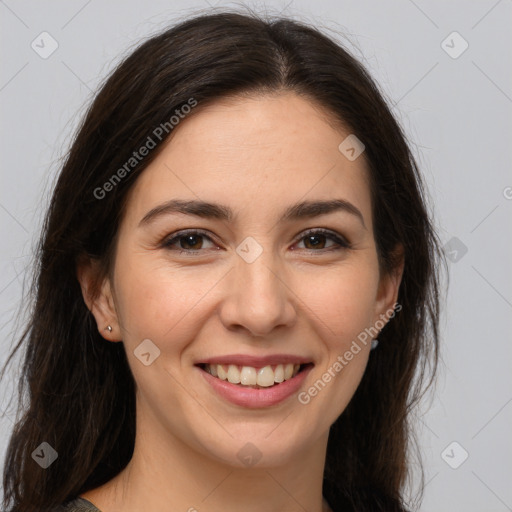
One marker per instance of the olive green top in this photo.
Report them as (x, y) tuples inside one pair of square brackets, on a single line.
[(77, 505)]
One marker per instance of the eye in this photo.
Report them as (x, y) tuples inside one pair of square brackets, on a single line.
[(192, 241), (315, 240), (188, 241)]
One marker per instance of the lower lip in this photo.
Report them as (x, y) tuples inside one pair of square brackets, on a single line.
[(256, 398)]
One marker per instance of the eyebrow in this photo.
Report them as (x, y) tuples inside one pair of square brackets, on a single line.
[(302, 210)]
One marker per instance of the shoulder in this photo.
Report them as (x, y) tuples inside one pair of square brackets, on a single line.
[(76, 505)]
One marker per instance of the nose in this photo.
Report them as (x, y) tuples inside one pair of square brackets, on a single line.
[(257, 299)]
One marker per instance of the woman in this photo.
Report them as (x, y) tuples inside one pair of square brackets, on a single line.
[(237, 293)]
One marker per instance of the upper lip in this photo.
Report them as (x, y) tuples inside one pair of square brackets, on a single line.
[(256, 361)]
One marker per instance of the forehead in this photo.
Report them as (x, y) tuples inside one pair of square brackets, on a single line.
[(256, 154)]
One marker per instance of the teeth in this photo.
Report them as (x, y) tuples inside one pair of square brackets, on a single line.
[(265, 377), (279, 373), (250, 376), (221, 373), (233, 374)]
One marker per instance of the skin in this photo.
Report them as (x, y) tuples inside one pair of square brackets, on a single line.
[(257, 156)]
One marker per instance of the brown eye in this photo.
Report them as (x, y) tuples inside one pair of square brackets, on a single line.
[(320, 239), (314, 241), (192, 241)]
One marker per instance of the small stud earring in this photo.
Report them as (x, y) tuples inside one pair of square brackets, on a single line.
[(108, 328), (375, 342)]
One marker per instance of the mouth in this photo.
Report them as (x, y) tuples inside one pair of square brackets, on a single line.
[(265, 377)]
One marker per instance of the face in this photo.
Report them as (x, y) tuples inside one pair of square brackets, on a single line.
[(254, 280)]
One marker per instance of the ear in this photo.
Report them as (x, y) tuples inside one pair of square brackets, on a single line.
[(98, 296), (389, 284)]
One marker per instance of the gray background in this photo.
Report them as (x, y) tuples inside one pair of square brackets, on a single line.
[(456, 111)]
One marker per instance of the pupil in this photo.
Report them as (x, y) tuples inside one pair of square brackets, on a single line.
[(310, 240), (190, 240)]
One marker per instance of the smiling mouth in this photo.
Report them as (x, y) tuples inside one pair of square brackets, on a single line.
[(252, 377)]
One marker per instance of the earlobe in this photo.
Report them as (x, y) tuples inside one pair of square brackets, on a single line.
[(98, 297)]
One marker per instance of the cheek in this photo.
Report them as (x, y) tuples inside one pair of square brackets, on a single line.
[(342, 300), (161, 303)]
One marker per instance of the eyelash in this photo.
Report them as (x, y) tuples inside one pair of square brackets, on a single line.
[(340, 241)]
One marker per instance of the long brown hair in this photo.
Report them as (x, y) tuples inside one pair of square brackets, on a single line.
[(79, 390)]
